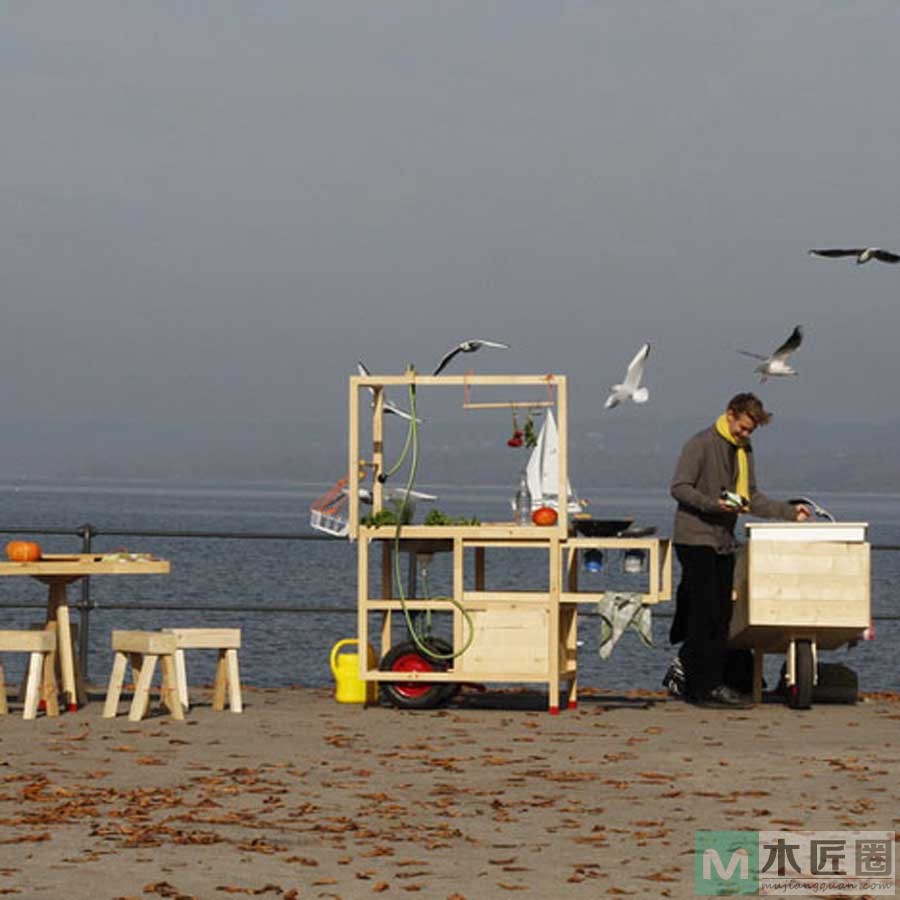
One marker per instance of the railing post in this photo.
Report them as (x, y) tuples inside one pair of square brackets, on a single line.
[(87, 532)]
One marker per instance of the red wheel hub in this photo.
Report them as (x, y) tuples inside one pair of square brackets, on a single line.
[(412, 662)]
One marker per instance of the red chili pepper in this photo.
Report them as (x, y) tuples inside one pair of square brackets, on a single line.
[(516, 439)]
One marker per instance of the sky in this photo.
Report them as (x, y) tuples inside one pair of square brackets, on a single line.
[(211, 210)]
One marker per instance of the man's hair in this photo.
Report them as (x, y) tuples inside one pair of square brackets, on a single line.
[(750, 405)]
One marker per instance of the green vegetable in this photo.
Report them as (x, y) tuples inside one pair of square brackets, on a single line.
[(436, 517)]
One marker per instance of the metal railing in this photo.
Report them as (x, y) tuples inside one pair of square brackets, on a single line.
[(86, 533)]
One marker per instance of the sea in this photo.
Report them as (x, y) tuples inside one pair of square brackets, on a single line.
[(294, 599)]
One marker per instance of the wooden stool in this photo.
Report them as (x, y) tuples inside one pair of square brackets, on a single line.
[(142, 649), (227, 641), (40, 682), (80, 690)]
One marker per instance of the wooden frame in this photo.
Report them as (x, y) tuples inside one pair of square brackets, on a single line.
[(361, 383), (519, 636)]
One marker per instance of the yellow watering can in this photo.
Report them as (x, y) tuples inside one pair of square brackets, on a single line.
[(349, 687)]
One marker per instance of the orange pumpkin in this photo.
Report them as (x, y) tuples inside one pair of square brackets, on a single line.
[(544, 515), (23, 551)]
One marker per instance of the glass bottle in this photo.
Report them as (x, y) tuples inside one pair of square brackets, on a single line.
[(523, 501)]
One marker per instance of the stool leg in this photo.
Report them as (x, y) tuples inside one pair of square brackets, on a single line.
[(234, 681), (80, 690), (219, 685), (170, 687), (141, 700), (4, 709), (181, 680), (49, 689), (114, 690), (33, 686)]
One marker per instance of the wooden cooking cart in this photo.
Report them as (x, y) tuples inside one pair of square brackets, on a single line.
[(516, 635)]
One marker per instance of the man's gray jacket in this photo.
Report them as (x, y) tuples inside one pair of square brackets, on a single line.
[(708, 463)]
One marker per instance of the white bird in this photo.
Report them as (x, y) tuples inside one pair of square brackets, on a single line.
[(388, 406), (862, 254), (777, 365), (631, 388), (468, 347)]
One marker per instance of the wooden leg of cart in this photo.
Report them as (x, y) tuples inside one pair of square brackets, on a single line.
[(569, 649), (757, 674), (554, 613)]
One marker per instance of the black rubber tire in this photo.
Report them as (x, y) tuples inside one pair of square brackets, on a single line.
[(800, 692), (415, 694), (450, 688)]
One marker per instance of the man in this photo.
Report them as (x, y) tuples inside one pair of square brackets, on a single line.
[(714, 482)]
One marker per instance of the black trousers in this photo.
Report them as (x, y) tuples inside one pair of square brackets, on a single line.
[(703, 614)]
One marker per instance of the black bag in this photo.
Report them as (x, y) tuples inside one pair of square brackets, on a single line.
[(837, 683)]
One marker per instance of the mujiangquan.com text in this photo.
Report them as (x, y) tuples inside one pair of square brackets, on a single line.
[(823, 885)]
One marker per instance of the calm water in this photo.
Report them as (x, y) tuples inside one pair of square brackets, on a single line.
[(283, 648)]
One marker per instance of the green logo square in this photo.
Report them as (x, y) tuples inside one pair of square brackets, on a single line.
[(726, 863)]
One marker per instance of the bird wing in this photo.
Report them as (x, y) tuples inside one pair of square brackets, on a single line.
[(790, 345), (443, 363), (401, 413), (753, 355), (834, 254), (886, 256), (360, 367), (636, 369)]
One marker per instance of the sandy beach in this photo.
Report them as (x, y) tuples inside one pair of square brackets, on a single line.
[(300, 796)]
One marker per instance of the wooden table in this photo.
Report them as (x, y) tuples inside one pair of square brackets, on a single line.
[(57, 571)]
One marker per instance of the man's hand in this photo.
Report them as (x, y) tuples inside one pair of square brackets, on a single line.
[(728, 506), (803, 512)]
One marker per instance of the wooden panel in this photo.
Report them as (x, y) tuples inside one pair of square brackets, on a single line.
[(513, 639), (816, 584)]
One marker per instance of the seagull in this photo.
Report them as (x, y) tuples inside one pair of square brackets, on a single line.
[(630, 387), (468, 347), (388, 406), (862, 254), (776, 364)]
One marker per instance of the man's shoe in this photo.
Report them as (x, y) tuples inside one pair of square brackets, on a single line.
[(675, 680), (724, 697)]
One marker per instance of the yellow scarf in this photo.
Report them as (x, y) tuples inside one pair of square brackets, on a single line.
[(742, 485)]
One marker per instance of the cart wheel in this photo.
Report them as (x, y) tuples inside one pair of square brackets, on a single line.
[(450, 688), (800, 692), (407, 657)]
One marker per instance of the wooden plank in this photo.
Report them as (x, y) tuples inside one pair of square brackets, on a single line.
[(362, 598), (169, 688), (155, 642), (205, 638), (467, 380), (28, 641), (114, 689), (141, 699), (235, 702), (85, 564), (353, 459), (511, 404)]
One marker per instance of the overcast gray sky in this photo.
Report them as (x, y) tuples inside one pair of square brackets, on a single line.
[(211, 210)]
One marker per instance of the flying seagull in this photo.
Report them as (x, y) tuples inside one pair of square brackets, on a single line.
[(468, 347), (388, 406), (776, 364), (862, 254), (631, 386)]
